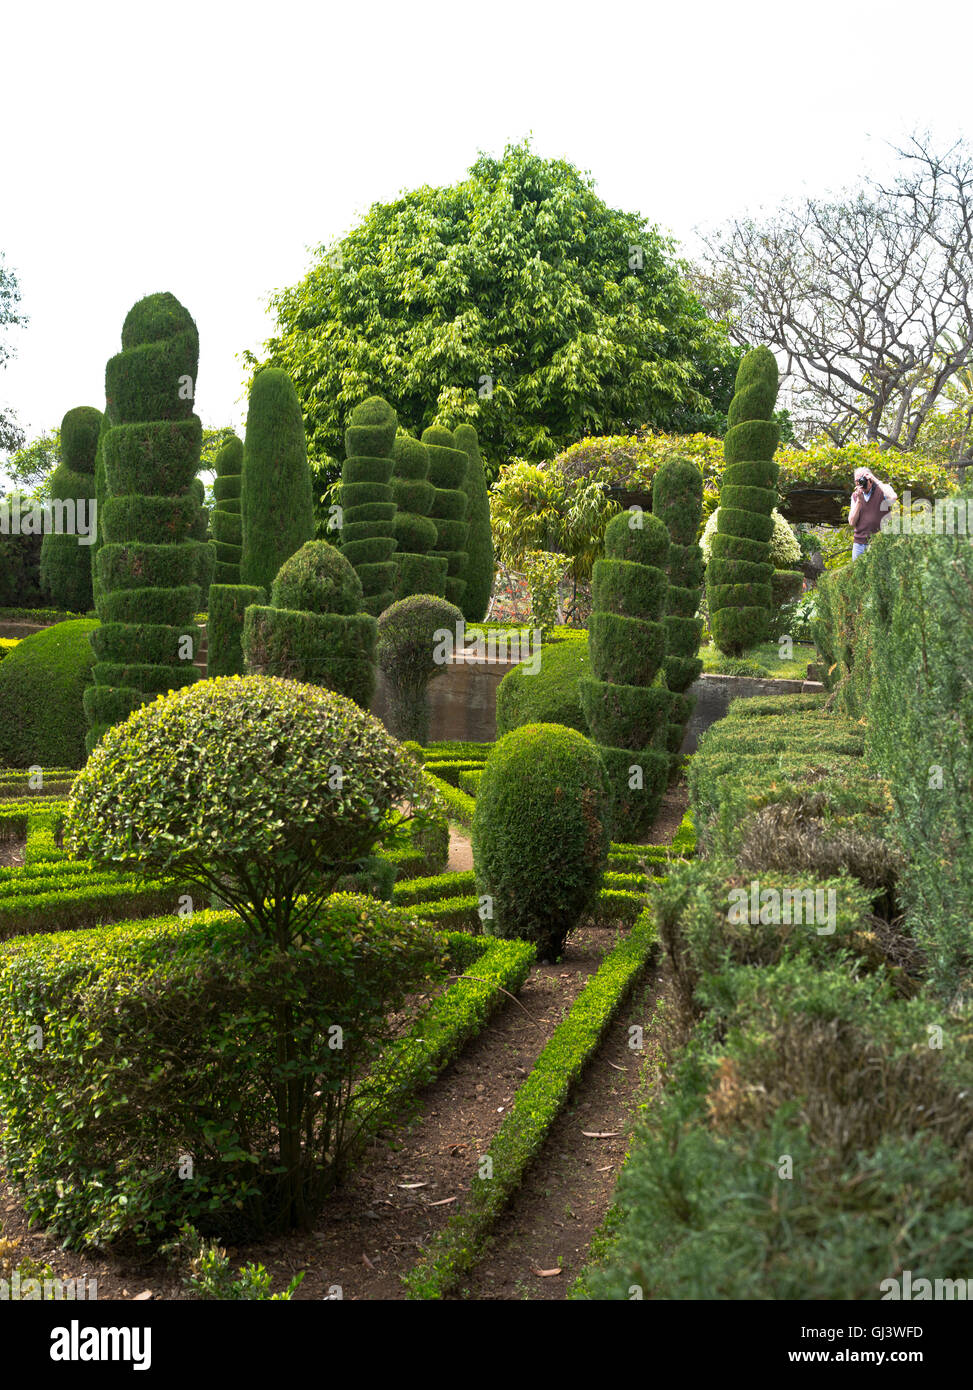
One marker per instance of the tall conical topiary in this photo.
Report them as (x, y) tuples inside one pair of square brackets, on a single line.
[(448, 466), (149, 564), (738, 587), (226, 499), (478, 572), (368, 510), (626, 701), (65, 563), (101, 497), (276, 497), (677, 500), (418, 571)]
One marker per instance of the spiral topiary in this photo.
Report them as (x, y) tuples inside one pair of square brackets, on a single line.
[(367, 504), (677, 500), (150, 564), (227, 486), (627, 703), (101, 497), (540, 834), (65, 563), (740, 604), (407, 642), (480, 562), (419, 572), (448, 467), (276, 497), (313, 630)]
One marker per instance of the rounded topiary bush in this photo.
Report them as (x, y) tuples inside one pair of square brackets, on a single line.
[(548, 695), (317, 579), (42, 685), (409, 634), (541, 834)]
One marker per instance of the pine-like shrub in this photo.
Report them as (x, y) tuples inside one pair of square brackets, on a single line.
[(740, 610), (418, 570), (150, 515), (276, 498), (448, 467), (227, 487), (368, 539), (42, 685), (540, 834), (549, 694), (626, 701), (228, 604), (409, 632), (65, 563), (479, 545), (313, 630), (677, 500)]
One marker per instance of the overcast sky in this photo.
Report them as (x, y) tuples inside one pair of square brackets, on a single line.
[(204, 148)]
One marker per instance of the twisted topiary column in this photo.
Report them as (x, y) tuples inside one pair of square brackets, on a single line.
[(626, 703), (227, 486), (448, 467), (367, 504), (101, 497), (276, 497), (480, 563), (419, 572), (65, 563), (738, 577), (149, 564), (677, 500)]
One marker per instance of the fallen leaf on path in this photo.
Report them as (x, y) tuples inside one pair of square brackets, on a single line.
[(367, 1261), (599, 1133), (442, 1201), (140, 1297), (410, 1185), (546, 1273)]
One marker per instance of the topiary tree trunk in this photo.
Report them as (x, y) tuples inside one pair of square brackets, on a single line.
[(149, 564), (626, 702), (419, 572), (368, 509), (65, 563), (448, 467), (276, 498), (738, 576), (677, 500), (479, 546)]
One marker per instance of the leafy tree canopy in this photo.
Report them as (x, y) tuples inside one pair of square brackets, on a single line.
[(11, 435), (516, 301)]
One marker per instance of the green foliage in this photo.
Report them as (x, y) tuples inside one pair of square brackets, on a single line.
[(224, 627), (227, 489), (448, 469), (334, 651), (20, 557), (479, 562), (534, 509), (317, 579), (409, 633), (42, 683), (677, 500), (65, 567), (365, 482), (549, 695), (276, 503), (540, 834), (208, 1273), (522, 243), (543, 572)]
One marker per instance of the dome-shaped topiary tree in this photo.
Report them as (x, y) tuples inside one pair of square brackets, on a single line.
[(368, 510), (626, 701), (677, 501), (480, 565), (738, 588), (42, 688), (407, 643), (541, 834), (150, 564), (550, 695), (65, 563), (313, 629), (448, 467), (276, 497), (419, 571)]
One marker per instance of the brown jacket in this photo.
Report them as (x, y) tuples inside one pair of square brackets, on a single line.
[(870, 513)]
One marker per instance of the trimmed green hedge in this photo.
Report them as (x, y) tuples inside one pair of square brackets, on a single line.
[(333, 650), (480, 561), (366, 482), (551, 695), (42, 684), (276, 496), (449, 466), (224, 627), (65, 568)]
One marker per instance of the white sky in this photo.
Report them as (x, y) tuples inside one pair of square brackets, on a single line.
[(203, 148)]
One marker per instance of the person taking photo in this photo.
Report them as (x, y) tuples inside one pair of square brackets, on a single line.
[(870, 502)]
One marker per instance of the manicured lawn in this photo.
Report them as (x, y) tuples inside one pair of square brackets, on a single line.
[(764, 660)]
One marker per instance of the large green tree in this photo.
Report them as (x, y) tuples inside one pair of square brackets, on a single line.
[(11, 435), (516, 301)]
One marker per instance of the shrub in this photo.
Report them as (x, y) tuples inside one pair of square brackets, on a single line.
[(418, 570), (20, 558), (188, 1036), (276, 498), (151, 452), (677, 500), (550, 695), (65, 563), (42, 687), (326, 641), (224, 627), (365, 481), (479, 550), (631, 728), (541, 834), (408, 633), (738, 618), (227, 488), (448, 469)]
